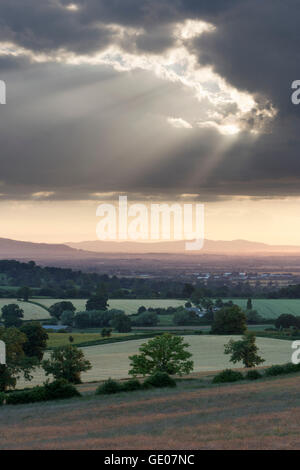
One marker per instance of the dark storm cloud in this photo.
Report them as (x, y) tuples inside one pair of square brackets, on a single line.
[(47, 25), (74, 131), (255, 47)]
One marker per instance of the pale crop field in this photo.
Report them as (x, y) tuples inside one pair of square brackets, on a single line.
[(129, 306), (31, 311), (271, 308), (112, 360)]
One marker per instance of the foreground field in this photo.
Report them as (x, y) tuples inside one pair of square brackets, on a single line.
[(112, 360), (260, 415), (271, 308), (129, 306)]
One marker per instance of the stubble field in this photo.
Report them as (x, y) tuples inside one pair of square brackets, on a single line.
[(259, 415)]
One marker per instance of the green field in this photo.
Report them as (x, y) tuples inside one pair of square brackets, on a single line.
[(112, 360), (61, 339), (129, 306), (31, 311), (271, 308)]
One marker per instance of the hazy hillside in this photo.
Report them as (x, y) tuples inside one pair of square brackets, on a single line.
[(11, 249), (210, 246), (94, 252)]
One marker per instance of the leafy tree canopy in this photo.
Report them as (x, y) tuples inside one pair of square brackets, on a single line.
[(166, 353), (229, 320), (56, 310), (36, 340), (17, 364), (244, 350), (12, 315), (67, 362)]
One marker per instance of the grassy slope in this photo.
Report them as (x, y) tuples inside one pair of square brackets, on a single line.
[(257, 415)]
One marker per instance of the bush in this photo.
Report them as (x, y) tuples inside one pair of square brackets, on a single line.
[(291, 368), (228, 375), (131, 385), (57, 390), (36, 394), (109, 387), (288, 368), (2, 398), (159, 380), (274, 370), (60, 389), (253, 375)]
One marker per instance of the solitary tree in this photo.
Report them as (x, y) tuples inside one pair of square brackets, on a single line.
[(229, 320), (12, 315), (244, 350), (67, 362), (165, 353), (249, 304), (24, 293), (36, 341)]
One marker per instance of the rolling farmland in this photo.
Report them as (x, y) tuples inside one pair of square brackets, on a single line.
[(112, 360), (267, 308)]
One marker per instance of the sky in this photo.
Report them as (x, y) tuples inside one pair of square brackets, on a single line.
[(161, 100)]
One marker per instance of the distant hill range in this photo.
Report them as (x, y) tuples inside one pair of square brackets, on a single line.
[(12, 249), (241, 247)]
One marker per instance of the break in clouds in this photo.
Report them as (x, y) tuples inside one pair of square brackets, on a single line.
[(161, 98)]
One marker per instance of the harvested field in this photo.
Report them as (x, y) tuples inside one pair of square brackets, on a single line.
[(112, 360)]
